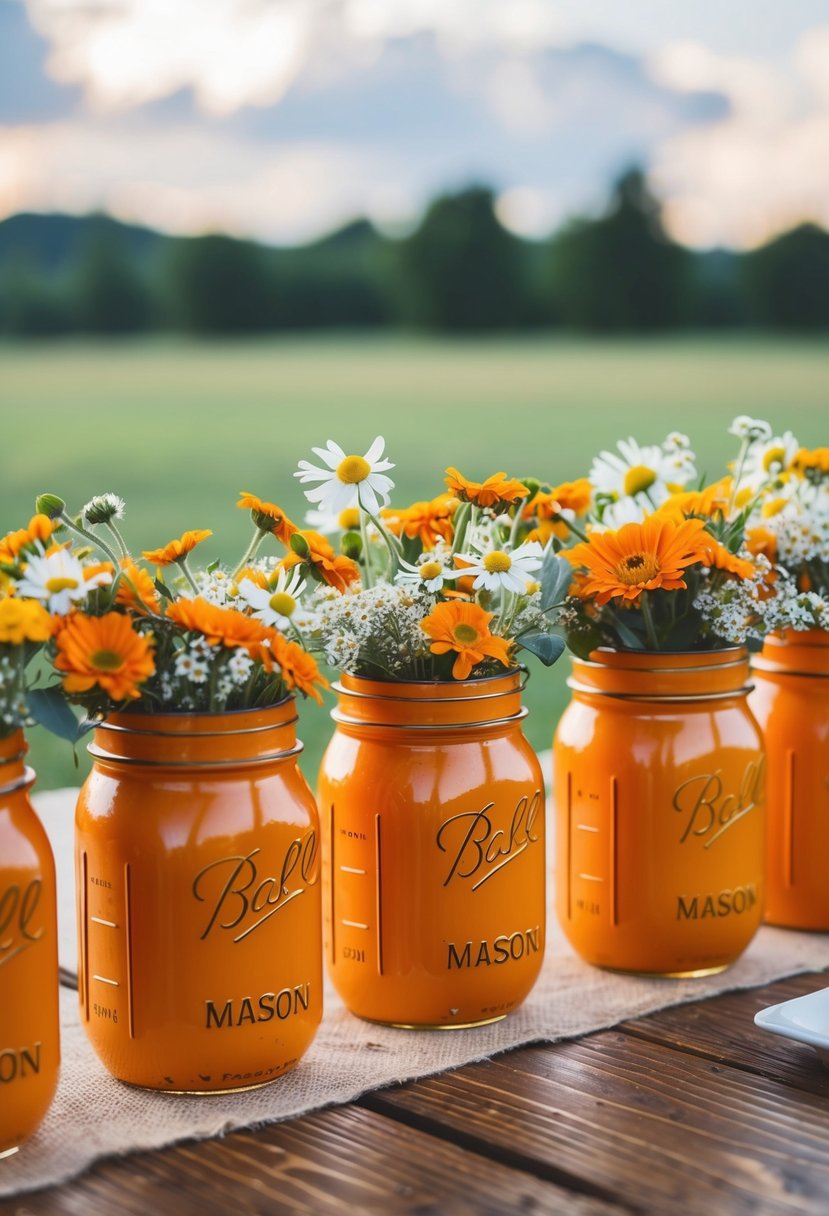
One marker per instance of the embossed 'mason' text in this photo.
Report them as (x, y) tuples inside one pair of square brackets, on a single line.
[(480, 848), (709, 810)]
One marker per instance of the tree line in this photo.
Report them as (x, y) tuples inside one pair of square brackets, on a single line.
[(458, 271)]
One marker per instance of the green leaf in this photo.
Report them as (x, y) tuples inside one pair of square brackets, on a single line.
[(48, 707), (162, 589), (545, 646), (214, 565), (626, 636), (556, 577)]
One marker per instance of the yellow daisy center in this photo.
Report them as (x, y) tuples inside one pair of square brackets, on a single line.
[(350, 517), (107, 660), (637, 568), (533, 587), (465, 634), (430, 570), (353, 469), (55, 585), (773, 456), (497, 562), (638, 479), (773, 506), (282, 603)]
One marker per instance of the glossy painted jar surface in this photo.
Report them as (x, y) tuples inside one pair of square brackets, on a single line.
[(791, 702), (659, 789), (200, 952), (433, 851), (29, 1019)]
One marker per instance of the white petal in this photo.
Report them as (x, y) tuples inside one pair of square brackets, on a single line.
[(328, 457), (367, 497), (380, 484), (376, 450)]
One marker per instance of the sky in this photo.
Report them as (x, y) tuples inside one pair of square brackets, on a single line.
[(282, 119)]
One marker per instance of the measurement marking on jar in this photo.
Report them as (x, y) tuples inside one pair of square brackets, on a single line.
[(102, 979), (614, 851), (128, 927), (788, 817), (569, 846), (84, 911), (333, 919), (354, 924), (351, 870), (99, 920), (591, 877), (586, 827), (379, 894)]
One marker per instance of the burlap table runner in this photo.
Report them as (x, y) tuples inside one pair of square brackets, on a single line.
[(94, 1116)]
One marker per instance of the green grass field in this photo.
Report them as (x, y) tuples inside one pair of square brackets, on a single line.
[(179, 429)]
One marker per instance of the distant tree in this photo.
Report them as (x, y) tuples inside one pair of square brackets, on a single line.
[(108, 294), (218, 285), (620, 271), (461, 270), (31, 306), (786, 282)]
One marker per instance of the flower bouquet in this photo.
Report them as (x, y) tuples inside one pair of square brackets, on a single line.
[(658, 761), (196, 834), (433, 798)]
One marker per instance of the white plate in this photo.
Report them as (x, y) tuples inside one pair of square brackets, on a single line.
[(805, 1019)]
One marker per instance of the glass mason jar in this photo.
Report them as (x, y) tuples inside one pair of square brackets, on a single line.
[(200, 952), (791, 702), (433, 851), (29, 1018), (660, 837)]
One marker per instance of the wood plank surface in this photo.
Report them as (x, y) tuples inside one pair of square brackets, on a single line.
[(343, 1160), (692, 1110)]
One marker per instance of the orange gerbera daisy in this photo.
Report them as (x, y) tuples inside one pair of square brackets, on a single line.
[(136, 590), (496, 489), (711, 501), (574, 496), (430, 521), (220, 626), (40, 527), (24, 621), (332, 568), (639, 557), (298, 667), (811, 459), (268, 517), (177, 550), (464, 628), (104, 650)]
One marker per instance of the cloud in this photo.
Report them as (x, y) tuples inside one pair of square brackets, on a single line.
[(764, 166)]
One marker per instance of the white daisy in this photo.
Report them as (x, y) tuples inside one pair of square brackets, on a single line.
[(638, 470), (745, 427), (274, 605), (498, 568), (767, 459), (617, 514), (102, 508), (431, 572), (59, 579), (348, 480), (329, 523)]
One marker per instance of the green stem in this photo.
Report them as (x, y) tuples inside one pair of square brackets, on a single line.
[(119, 540), (735, 485), (251, 550), (182, 565), (392, 544), (647, 617), (461, 525), (90, 536), (369, 581)]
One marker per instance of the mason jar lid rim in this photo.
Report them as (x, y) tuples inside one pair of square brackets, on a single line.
[(440, 727)]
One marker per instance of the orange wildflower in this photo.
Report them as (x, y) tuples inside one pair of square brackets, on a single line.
[(177, 550), (332, 568), (24, 621), (640, 557), (574, 496), (711, 501), (430, 521), (220, 626), (761, 540), (139, 593), (496, 489), (720, 558), (811, 459), (39, 528), (104, 650), (299, 668), (268, 517), (464, 628)]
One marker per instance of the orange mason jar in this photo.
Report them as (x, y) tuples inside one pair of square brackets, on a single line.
[(659, 784), (791, 702), (200, 955), (433, 855), (29, 1022)]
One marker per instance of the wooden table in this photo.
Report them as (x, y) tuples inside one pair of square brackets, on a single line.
[(692, 1110)]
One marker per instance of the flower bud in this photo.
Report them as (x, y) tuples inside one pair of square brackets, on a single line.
[(300, 545), (533, 485), (351, 545), (102, 508), (49, 505)]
